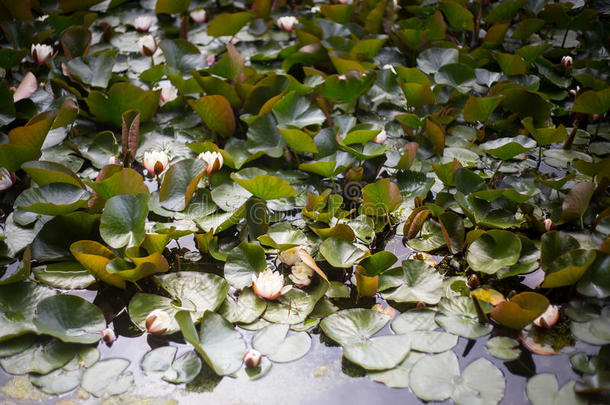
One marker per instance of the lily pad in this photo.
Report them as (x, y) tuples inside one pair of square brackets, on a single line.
[(493, 250), (273, 343)]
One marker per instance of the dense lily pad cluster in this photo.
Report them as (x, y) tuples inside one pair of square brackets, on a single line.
[(228, 174)]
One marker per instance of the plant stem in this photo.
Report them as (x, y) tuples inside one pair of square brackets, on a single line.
[(491, 179)]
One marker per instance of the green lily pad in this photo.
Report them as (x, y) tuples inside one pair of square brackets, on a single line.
[(503, 348), (162, 361), (508, 148), (437, 378), (180, 182), (123, 96), (493, 250), (265, 186), (295, 306), (18, 302), (381, 198), (107, 377), (247, 308), (340, 253), (244, 261), (53, 199), (273, 343), (69, 318), (42, 358), (199, 292), (544, 389), (218, 343), (123, 219), (415, 281)]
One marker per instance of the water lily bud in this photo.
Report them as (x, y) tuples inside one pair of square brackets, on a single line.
[(148, 45), (7, 179), (143, 23), (199, 15), (548, 224), (252, 358), (168, 93), (290, 256), (210, 59), (213, 159), (269, 284), (157, 322), (566, 62), (420, 305), (301, 274), (574, 92), (287, 23), (548, 317), (473, 281), (381, 137), (155, 161), (41, 52), (108, 335), (315, 9), (114, 160)]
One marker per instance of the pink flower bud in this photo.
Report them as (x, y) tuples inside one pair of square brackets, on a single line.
[(252, 358), (148, 45), (199, 15), (143, 23), (157, 322), (108, 335)]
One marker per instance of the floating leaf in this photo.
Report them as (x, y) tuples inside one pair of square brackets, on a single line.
[(521, 310), (493, 250)]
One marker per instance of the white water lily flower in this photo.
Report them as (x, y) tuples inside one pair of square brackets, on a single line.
[(381, 137), (287, 23), (199, 15), (6, 179), (290, 256), (148, 45), (548, 317), (301, 274), (155, 161), (252, 358), (168, 93), (269, 284), (157, 322), (566, 62), (143, 23), (41, 52), (213, 159)]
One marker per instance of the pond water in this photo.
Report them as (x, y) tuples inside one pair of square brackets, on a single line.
[(323, 375)]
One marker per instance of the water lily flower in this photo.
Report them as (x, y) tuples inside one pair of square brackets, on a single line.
[(157, 322), (566, 62), (301, 274), (287, 23), (269, 284), (252, 358), (548, 317), (155, 161), (290, 256), (213, 159), (108, 335), (114, 160), (548, 224), (26, 88), (315, 9), (148, 45), (389, 67), (41, 52), (7, 179), (210, 59), (143, 23), (199, 15), (381, 137), (168, 93)]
